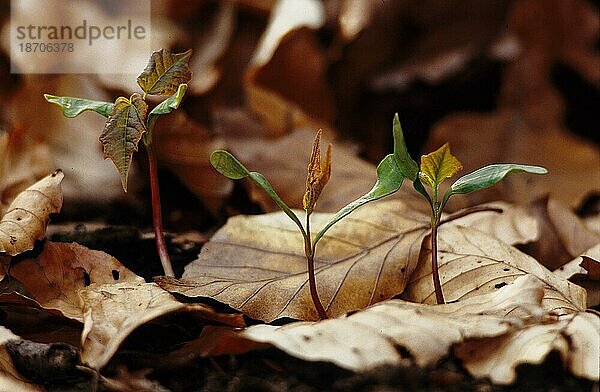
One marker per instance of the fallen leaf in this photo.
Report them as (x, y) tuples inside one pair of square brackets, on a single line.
[(10, 379), (280, 102), (113, 311), (256, 264), (22, 162), (368, 338), (514, 225), (27, 216), (585, 272), (189, 161), (125, 381), (84, 167), (563, 235), (472, 262), (575, 337), (54, 278)]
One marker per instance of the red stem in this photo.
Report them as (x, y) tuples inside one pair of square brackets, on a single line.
[(439, 295), (161, 246), (313, 289)]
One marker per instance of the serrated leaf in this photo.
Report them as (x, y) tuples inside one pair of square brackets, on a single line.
[(228, 165), (123, 131), (439, 165), (488, 176), (165, 72), (407, 165), (73, 107)]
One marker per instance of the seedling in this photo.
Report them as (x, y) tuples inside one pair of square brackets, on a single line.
[(389, 179), (128, 122), (437, 167)]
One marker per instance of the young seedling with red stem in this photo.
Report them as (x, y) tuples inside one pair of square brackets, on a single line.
[(128, 122)]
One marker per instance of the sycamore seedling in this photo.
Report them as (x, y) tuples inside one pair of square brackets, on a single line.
[(129, 121), (389, 179)]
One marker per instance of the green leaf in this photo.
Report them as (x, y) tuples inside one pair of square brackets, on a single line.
[(407, 165), (488, 176), (228, 165), (389, 180), (165, 107), (73, 107), (165, 72), (438, 165), (123, 131)]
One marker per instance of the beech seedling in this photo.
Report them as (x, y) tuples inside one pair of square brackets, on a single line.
[(390, 174), (440, 165), (129, 120)]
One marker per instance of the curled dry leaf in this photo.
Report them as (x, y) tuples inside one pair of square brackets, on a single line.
[(113, 311), (256, 264), (563, 235), (585, 272), (472, 262), (53, 279), (575, 337), (26, 218), (10, 379), (22, 162), (367, 339)]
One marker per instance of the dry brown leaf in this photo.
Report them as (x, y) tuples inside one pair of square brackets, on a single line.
[(10, 379), (584, 271), (472, 262), (73, 143), (26, 217), (126, 381), (576, 337), (112, 311), (54, 278), (563, 235), (189, 161), (514, 225), (22, 162), (284, 164), (368, 338), (256, 264), (285, 103)]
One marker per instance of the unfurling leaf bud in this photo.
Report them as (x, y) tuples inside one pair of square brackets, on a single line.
[(318, 174)]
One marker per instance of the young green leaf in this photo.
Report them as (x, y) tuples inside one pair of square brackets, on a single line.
[(389, 180), (438, 165), (391, 172), (165, 72), (407, 165), (73, 107), (123, 131), (488, 176), (165, 107), (228, 165)]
